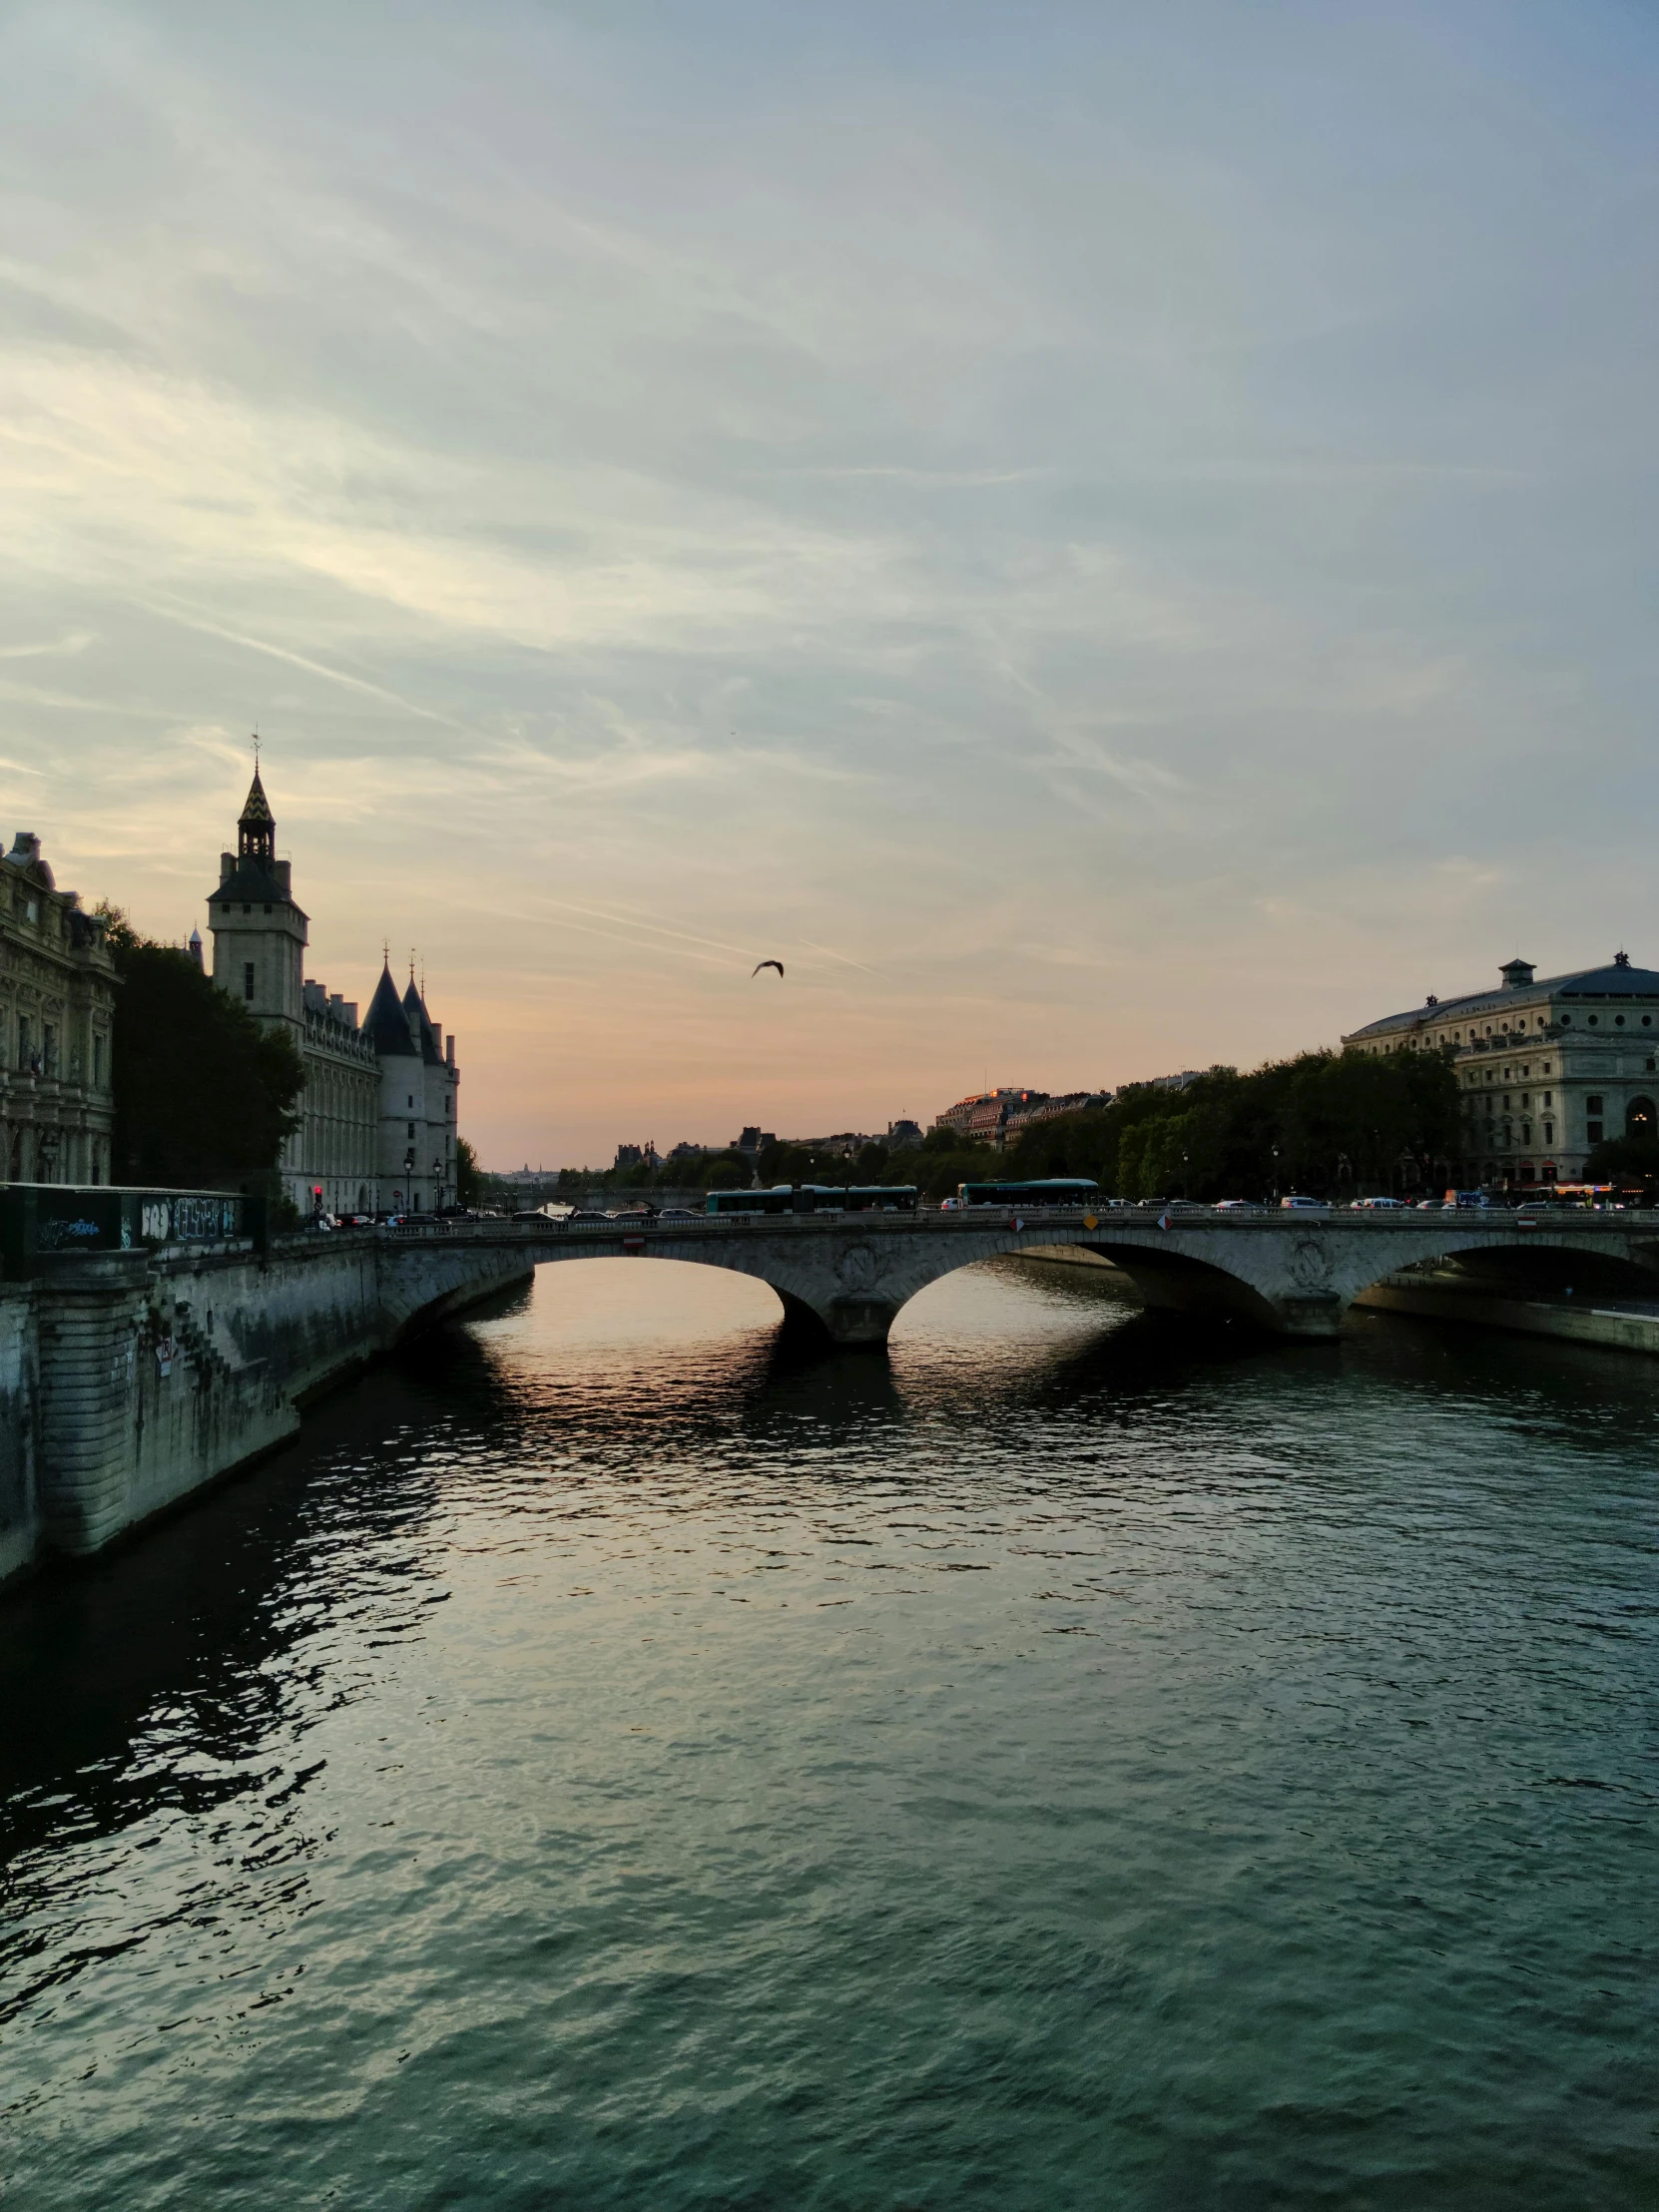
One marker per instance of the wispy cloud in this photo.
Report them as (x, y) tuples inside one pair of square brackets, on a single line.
[(1066, 537)]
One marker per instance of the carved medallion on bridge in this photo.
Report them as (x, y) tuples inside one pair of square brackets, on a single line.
[(1311, 1264), (857, 1267)]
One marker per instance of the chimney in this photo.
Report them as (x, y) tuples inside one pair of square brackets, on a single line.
[(226, 866), (449, 1049)]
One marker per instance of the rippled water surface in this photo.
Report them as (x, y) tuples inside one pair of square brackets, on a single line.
[(609, 1762)]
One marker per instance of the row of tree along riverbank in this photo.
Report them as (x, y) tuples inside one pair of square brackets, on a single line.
[(1324, 1123)]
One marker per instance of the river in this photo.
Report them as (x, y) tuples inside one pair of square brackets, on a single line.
[(609, 1760)]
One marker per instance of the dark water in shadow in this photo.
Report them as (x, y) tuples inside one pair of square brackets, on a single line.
[(612, 1761)]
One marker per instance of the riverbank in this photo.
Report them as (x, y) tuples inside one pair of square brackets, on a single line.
[(1615, 1324)]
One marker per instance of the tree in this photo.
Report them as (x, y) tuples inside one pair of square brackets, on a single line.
[(203, 1094), (1314, 1123), (1623, 1160), (467, 1173)]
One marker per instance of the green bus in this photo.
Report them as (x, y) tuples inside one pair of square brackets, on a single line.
[(1053, 1190)]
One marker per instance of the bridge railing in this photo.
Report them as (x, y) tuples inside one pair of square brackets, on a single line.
[(1102, 1217)]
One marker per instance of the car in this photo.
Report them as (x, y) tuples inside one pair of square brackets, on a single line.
[(581, 1215), (1297, 1204), (528, 1213), (1232, 1206), (678, 1213), (1379, 1206)]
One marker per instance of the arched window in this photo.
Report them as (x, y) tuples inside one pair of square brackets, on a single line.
[(1640, 1119)]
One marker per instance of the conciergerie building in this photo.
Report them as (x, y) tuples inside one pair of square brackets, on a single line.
[(382, 1098), (1547, 1069)]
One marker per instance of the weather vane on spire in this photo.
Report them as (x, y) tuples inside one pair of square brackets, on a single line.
[(255, 749)]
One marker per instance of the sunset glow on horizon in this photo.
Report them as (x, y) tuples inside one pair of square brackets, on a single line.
[(1105, 540)]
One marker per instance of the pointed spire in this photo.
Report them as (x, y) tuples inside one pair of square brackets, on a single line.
[(386, 1024), (257, 824)]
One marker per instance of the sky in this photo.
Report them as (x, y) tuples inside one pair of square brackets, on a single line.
[(1107, 538)]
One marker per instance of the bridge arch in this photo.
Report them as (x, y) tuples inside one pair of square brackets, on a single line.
[(850, 1277)]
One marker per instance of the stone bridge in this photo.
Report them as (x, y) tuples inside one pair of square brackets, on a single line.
[(1296, 1274), (132, 1378)]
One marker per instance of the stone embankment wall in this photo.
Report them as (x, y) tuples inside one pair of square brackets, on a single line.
[(131, 1380)]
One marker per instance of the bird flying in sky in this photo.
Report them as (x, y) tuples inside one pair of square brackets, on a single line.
[(778, 964)]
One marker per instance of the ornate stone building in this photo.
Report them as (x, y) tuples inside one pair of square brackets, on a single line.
[(420, 1089), (57, 1006), (1546, 1069), (380, 1099)]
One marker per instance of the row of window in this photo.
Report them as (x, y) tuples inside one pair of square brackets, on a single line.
[(1507, 1126), (1641, 1119), (37, 1053), (1474, 1078), (1506, 1029)]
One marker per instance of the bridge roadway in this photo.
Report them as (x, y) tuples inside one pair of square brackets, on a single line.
[(1295, 1273)]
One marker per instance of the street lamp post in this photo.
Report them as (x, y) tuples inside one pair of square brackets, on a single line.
[(408, 1177), (438, 1186), (1276, 1174)]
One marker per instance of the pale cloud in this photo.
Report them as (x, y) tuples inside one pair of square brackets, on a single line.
[(1106, 541)]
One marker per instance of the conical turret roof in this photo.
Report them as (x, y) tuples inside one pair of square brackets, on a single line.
[(415, 1008), (256, 808), (386, 1025)]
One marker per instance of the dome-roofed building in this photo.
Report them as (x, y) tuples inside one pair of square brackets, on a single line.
[(378, 1133), (1548, 1067)]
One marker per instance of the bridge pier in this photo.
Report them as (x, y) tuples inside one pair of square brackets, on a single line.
[(849, 1323), (1309, 1320)]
